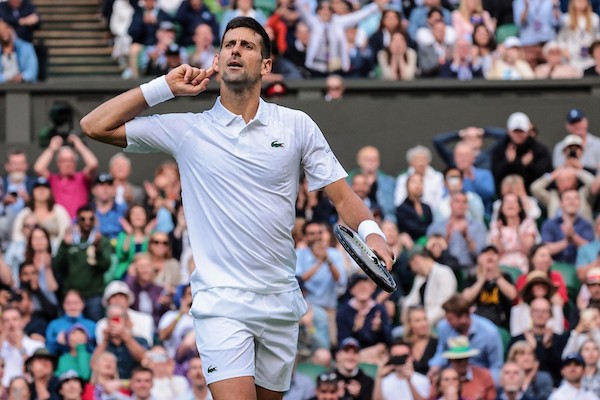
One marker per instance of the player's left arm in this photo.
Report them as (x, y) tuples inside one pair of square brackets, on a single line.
[(353, 212)]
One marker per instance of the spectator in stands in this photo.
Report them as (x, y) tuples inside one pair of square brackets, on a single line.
[(360, 185), (549, 187), (149, 297), (70, 386), (163, 195), (57, 331), (472, 135), (119, 14), (419, 162), (357, 384), (590, 352), (419, 334), (538, 285), (433, 285), (513, 233), (477, 382), (17, 186), (296, 51), (484, 45), (41, 366), (198, 382), (397, 62), (69, 186), (588, 328), (38, 306), (166, 268), (572, 370), (134, 238), (381, 185), (491, 291), (418, 16), (18, 388), (164, 55), (520, 153), (565, 233), (426, 35), (105, 380), (82, 259), (540, 259), (175, 326), (397, 379), (594, 51), (438, 248), (548, 345), (53, 217), (511, 383), (391, 21), (321, 269), (39, 253), (22, 16), (469, 14), (119, 340), (463, 66), (537, 25), (327, 51), (580, 27), (147, 20), (587, 255), (283, 21), (328, 387), (435, 48), (164, 384), (16, 345), (334, 88), (15, 252), (466, 237), (578, 124), (119, 167), (413, 215), (19, 61), (241, 8), (203, 52), (117, 293), (483, 335), (537, 384), (511, 63), (364, 320), (477, 180), (108, 212), (453, 183), (79, 356), (192, 13), (142, 384), (556, 65), (514, 184), (448, 385)]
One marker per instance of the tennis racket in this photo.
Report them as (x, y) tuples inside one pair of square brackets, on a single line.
[(366, 258)]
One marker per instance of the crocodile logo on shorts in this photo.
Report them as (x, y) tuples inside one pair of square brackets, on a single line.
[(275, 143), (211, 369)]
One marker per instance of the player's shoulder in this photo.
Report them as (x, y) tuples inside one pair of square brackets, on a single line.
[(282, 112)]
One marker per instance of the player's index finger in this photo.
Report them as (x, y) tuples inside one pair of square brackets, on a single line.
[(209, 71)]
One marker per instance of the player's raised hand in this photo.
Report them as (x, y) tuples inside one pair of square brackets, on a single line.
[(186, 80)]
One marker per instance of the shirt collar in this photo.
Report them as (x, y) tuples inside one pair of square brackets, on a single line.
[(226, 117)]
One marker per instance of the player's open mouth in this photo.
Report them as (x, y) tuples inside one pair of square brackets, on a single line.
[(234, 64)]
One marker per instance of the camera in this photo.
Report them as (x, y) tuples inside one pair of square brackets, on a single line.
[(397, 360), (572, 153)]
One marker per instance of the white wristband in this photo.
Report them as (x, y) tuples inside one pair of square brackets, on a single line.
[(156, 91), (368, 227)]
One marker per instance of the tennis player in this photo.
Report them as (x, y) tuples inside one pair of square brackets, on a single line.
[(239, 163)]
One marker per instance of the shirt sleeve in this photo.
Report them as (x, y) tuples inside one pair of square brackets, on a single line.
[(320, 164), (156, 133)]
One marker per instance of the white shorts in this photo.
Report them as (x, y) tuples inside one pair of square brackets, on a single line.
[(240, 333)]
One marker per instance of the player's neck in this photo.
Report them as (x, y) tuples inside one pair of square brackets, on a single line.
[(243, 103)]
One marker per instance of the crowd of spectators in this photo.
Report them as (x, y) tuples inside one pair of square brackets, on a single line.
[(382, 39), (497, 259)]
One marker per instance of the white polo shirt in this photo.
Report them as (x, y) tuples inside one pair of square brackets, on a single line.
[(239, 187)]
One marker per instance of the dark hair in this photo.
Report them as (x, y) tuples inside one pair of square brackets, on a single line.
[(50, 203), (491, 43), (534, 249), (252, 24), (131, 207), (438, 384), (15, 151), (452, 168), (29, 249), (522, 214), (387, 48), (83, 209), (138, 370), (309, 223), (434, 10), (457, 305), (390, 11)]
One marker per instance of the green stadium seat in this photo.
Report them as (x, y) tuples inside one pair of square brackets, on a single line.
[(311, 370), (569, 275), (506, 30), (505, 336), (513, 272), (369, 369)]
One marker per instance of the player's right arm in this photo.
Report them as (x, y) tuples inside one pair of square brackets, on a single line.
[(106, 123)]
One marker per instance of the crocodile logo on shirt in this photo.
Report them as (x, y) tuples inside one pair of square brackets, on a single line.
[(275, 143), (211, 369)]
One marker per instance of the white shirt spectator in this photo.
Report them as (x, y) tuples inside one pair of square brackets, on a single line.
[(184, 325), (567, 391), (392, 387), (14, 358)]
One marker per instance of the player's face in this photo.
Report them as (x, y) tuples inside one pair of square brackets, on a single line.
[(240, 61)]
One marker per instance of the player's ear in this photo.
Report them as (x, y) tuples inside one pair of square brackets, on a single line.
[(267, 64), (215, 63)]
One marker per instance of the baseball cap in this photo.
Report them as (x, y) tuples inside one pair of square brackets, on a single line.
[(104, 178), (511, 41), (518, 121), (349, 342), (117, 287), (42, 353), (573, 358), (69, 376), (575, 115), (166, 26), (41, 181), (593, 275), (572, 140)]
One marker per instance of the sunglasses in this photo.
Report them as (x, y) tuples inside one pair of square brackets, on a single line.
[(328, 377), (84, 219)]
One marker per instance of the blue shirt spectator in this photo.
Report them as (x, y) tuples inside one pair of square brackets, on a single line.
[(192, 13), (538, 22), (587, 255), (23, 67), (73, 305), (21, 16), (145, 23), (477, 180), (108, 212), (418, 17)]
